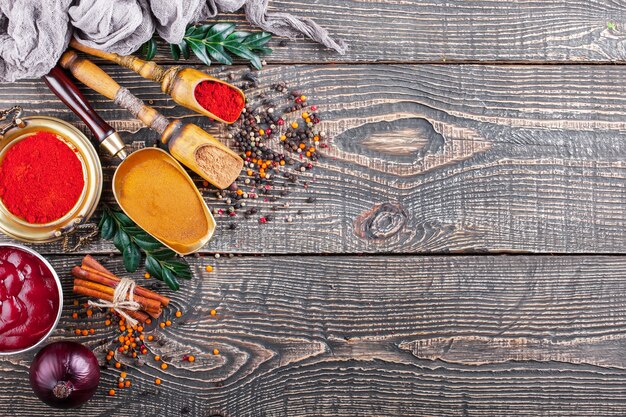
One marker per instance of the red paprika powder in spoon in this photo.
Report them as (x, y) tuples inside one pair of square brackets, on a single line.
[(220, 99), (41, 178)]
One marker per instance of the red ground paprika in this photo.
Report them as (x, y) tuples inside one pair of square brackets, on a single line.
[(220, 99), (41, 178)]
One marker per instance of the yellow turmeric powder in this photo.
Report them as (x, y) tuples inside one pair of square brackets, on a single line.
[(160, 198)]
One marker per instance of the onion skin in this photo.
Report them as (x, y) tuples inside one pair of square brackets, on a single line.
[(64, 374)]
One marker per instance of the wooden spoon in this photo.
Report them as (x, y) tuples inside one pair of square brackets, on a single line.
[(179, 83), (188, 143)]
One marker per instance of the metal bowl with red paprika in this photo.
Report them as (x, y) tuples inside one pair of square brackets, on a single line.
[(50, 178)]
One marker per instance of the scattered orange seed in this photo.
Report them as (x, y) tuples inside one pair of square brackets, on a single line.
[(144, 351), (161, 325), (75, 302), (179, 313), (123, 374), (191, 358), (146, 275), (140, 328), (163, 366), (111, 392), (111, 353), (91, 331), (150, 337), (120, 385), (118, 365), (77, 331), (149, 321), (107, 322), (157, 381), (216, 352), (127, 384), (74, 315), (157, 358), (85, 332), (89, 313), (213, 312), (205, 183), (168, 323), (123, 328), (294, 125), (303, 98)]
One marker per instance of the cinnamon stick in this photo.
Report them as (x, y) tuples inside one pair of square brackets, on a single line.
[(91, 262), (150, 306), (89, 292), (110, 280), (138, 315)]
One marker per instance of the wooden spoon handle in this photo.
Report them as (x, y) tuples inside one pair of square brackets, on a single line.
[(95, 78), (59, 82), (147, 69)]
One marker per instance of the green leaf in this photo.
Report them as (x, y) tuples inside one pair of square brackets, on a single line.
[(122, 218), (200, 51), (193, 31), (217, 53), (219, 32), (107, 227), (257, 40), (132, 257), (121, 240), (170, 280), (163, 254), (184, 49), (244, 52), (175, 51), (146, 242), (180, 268), (148, 49), (153, 267), (237, 37)]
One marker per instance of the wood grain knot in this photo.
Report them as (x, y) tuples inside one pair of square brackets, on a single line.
[(381, 221)]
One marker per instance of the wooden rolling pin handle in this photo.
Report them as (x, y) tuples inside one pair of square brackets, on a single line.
[(147, 69), (95, 78), (61, 85), (89, 74)]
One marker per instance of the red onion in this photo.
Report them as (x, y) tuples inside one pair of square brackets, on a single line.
[(64, 374)]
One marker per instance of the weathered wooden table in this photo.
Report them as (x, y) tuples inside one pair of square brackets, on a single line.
[(464, 256)]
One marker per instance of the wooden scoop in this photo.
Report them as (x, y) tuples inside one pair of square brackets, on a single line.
[(179, 83), (188, 143)]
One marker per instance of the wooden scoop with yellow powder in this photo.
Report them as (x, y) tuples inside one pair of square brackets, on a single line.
[(157, 194)]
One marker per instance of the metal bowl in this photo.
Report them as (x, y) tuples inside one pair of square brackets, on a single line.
[(20, 229), (59, 288)]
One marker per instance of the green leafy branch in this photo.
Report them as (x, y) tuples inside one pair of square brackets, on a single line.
[(130, 239), (218, 42)]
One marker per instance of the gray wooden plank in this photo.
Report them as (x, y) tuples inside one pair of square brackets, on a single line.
[(402, 336), (457, 30), (430, 158)]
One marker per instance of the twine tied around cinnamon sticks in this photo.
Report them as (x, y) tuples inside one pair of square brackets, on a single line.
[(122, 295), (123, 299)]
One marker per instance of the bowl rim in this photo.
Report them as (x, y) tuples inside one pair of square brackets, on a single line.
[(59, 288)]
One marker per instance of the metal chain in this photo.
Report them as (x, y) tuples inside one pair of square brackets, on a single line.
[(83, 240), (17, 110)]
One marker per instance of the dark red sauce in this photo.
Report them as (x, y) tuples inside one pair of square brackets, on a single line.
[(29, 299)]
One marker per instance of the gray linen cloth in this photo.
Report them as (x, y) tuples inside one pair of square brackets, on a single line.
[(34, 33)]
